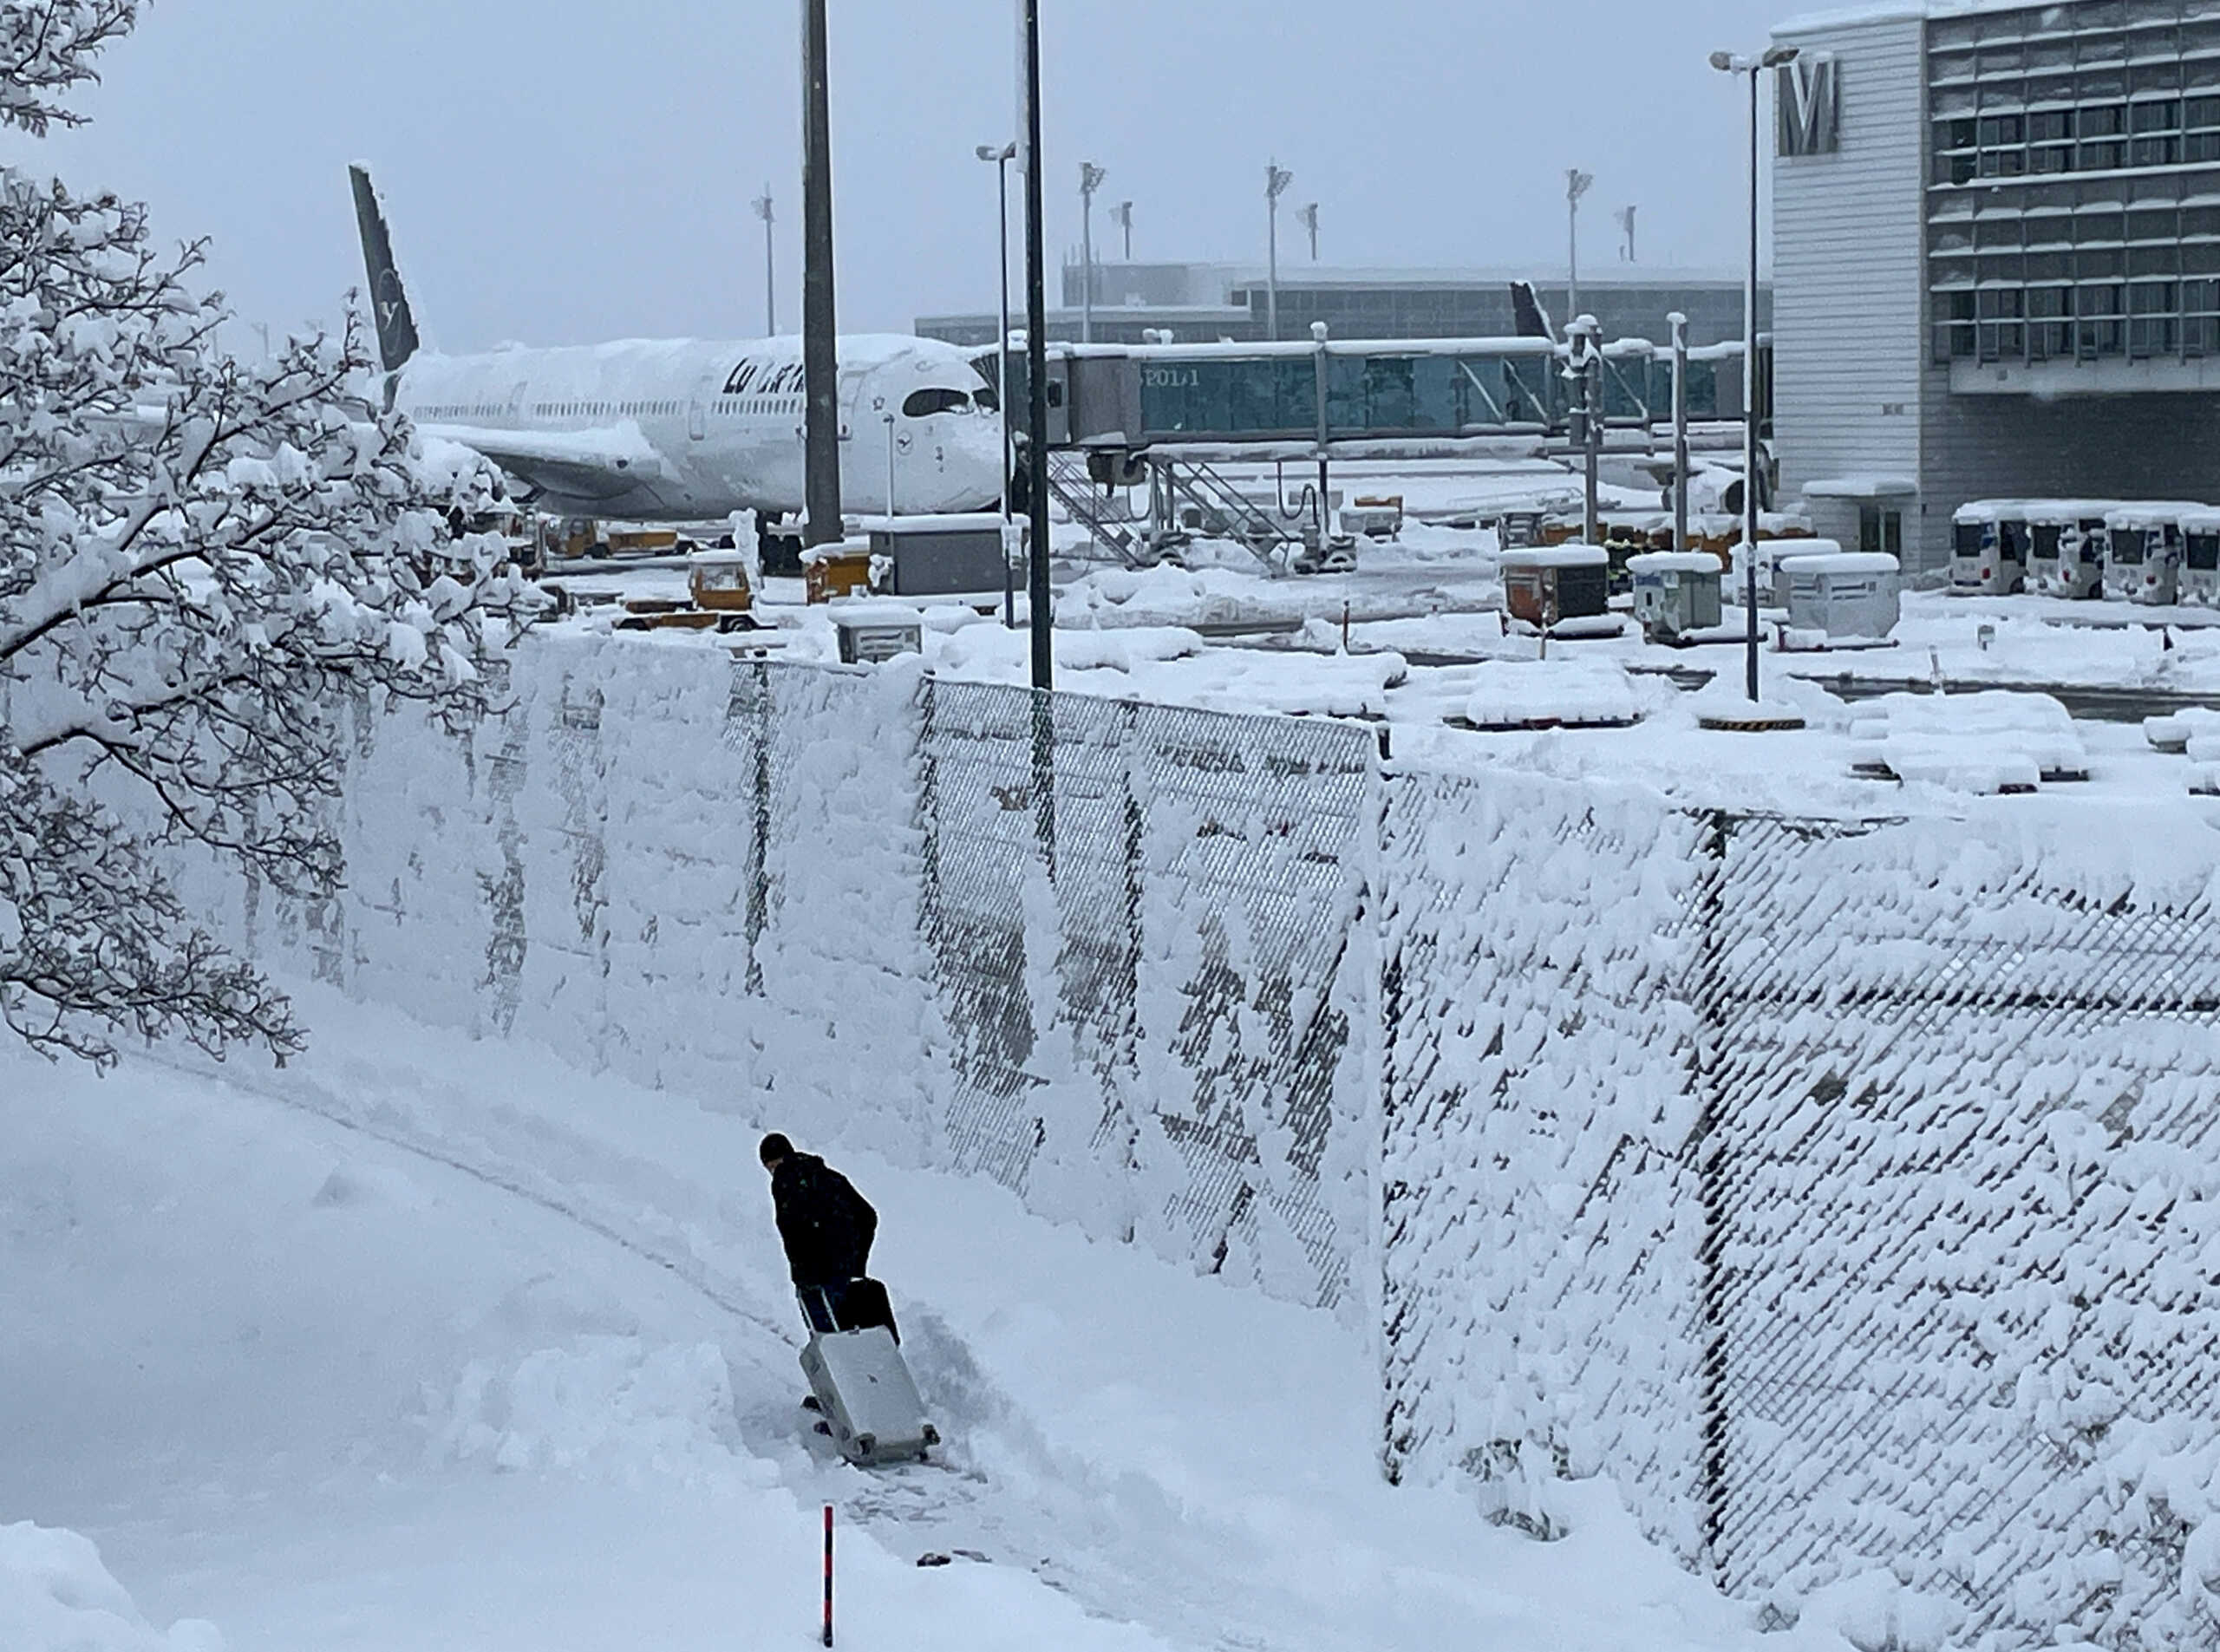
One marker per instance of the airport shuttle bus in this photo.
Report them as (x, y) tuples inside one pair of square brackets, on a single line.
[(2066, 546), (1988, 548), (2200, 575), (2143, 552)]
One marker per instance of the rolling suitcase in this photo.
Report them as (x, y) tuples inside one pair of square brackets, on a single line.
[(864, 1393)]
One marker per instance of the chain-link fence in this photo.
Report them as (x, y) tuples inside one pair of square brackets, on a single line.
[(1895, 1248), (1101, 951), (1846, 1190), (1153, 971)]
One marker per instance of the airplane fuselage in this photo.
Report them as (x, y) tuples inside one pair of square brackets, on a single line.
[(690, 430)]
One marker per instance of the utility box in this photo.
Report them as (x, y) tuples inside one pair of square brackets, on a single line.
[(939, 556), (1843, 593), (1675, 592), (873, 631), (1545, 583)]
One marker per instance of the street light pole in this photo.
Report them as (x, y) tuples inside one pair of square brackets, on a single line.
[(1276, 178), (1122, 216), (1309, 219), (819, 330), (762, 205), (1001, 156), (1576, 186), (1726, 63), (1090, 179), (1036, 376)]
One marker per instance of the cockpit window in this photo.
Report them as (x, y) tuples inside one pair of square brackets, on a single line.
[(988, 401), (923, 403)]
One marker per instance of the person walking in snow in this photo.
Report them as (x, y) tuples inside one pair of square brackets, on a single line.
[(827, 1228)]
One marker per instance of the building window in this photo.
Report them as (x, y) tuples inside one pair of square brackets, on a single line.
[(1880, 530)]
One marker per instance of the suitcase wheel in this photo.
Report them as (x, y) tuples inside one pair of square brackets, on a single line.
[(866, 1444), (823, 1427), (929, 1434)]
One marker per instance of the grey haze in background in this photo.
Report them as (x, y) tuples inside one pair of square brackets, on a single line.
[(562, 171)]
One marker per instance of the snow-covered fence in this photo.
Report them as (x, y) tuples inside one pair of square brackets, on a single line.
[(1846, 1191), (1541, 1224), (1965, 1271), (1177, 940), (831, 900)]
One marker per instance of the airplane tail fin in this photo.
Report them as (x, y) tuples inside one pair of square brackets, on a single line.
[(1528, 315), (388, 302)]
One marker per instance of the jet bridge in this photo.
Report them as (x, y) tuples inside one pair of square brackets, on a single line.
[(1165, 412)]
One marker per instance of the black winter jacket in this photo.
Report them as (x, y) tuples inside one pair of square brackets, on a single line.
[(826, 1224)]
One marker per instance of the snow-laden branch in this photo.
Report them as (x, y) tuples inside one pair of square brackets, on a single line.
[(200, 561), (47, 47)]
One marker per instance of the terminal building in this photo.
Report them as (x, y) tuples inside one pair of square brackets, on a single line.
[(1205, 302), (1996, 258)]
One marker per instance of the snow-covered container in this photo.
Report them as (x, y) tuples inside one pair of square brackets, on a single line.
[(1772, 584), (842, 568), (1544, 584), (2143, 551), (1551, 694), (1675, 592), (1842, 593), (718, 581), (2066, 545), (940, 556), (2200, 571), (873, 630), (1988, 547), (1992, 742)]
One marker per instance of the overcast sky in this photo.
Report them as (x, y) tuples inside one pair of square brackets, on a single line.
[(563, 171)]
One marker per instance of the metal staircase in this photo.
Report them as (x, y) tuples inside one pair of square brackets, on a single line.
[(1223, 511), (1187, 499), (1102, 514)]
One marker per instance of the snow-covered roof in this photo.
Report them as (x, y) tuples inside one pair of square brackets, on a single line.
[(1673, 562), (2053, 511), (2151, 512), (1885, 11), (1861, 487), (2063, 513), (1554, 556), (1839, 562), (2206, 520), (873, 610), (1888, 11)]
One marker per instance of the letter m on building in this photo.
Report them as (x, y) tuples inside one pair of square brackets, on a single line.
[(1807, 103)]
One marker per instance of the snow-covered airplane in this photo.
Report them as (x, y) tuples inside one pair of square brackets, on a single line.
[(690, 430)]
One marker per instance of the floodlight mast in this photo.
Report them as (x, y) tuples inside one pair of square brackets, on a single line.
[(1575, 184), (1728, 63), (1276, 178), (1000, 156), (1090, 179)]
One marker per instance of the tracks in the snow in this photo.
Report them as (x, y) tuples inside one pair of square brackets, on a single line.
[(306, 1095), (1095, 1552)]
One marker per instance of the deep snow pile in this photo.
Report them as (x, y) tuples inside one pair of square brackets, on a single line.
[(427, 1343), (56, 1596)]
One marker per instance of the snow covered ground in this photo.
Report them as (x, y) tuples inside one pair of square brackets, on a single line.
[(422, 1343), (1416, 637)]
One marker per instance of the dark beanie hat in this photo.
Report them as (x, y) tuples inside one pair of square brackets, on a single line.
[(775, 1147)]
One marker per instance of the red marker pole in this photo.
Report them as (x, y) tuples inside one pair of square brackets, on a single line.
[(828, 1574)]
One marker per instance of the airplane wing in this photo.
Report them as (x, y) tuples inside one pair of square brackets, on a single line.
[(605, 463)]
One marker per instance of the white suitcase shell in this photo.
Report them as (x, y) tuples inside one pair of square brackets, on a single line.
[(869, 1401)]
